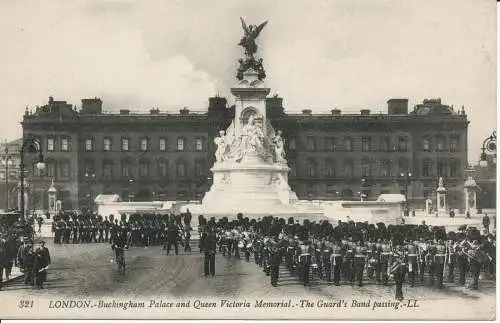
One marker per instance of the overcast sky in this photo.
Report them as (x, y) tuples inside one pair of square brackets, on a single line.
[(349, 54)]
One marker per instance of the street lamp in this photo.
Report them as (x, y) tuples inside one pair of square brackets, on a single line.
[(34, 145), (489, 148), (7, 160)]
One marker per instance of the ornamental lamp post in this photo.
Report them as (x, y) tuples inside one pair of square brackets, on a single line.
[(33, 145), (489, 148)]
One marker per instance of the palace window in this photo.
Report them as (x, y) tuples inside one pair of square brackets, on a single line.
[(107, 170), (199, 169), (51, 169), (365, 168), (144, 169), (125, 168), (330, 168), (64, 168), (181, 170), (125, 144), (311, 168), (348, 144), (402, 144), (163, 144), (426, 144), (366, 143), (384, 143), (198, 144), (348, 169), (311, 144), (331, 144), (292, 144), (385, 168), (163, 168), (454, 169), (439, 144), (89, 144), (64, 144), (107, 144), (454, 144), (50, 144), (180, 144), (427, 168), (441, 168), (144, 144)]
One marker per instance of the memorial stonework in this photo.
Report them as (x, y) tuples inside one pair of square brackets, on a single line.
[(251, 172)]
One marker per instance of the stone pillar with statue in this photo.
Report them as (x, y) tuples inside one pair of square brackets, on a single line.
[(441, 207), (250, 172), (470, 189)]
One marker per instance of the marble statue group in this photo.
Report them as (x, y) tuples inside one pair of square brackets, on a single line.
[(251, 141)]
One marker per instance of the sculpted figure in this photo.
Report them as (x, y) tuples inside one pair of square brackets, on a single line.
[(248, 40), (279, 148), (251, 140), (221, 146)]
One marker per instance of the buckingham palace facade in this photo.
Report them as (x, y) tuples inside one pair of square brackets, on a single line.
[(162, 155)]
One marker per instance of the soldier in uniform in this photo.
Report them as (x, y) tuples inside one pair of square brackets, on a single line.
[(66, 231), (187, 237), (412, 258), (326, 268), (173, 238), (422, 249), (385, 254), (209, 247), (275, 257), (451, 258), (305, 262), (76, 225), (359, 262), (440, 262), (57, 233), (398, 270), (462, 260), (107, 227), (336, 261), (100, 228), (348, 262)]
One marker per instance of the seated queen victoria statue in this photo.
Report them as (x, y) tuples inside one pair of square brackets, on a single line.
[(251, 141)]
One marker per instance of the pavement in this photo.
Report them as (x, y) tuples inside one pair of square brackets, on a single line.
[(89, 271)]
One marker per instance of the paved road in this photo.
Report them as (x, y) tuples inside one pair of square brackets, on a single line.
[(89, 270)]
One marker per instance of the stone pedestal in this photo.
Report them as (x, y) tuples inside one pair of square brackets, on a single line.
[(470, 189), (251, 174), (441, 206)]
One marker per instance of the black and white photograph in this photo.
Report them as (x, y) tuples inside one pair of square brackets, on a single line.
[(229, 159)]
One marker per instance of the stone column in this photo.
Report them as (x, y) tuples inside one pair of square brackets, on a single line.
[(470, 188)]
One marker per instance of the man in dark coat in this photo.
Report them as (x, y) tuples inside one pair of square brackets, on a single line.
[(486, 223), (209, 247), (28, 256), (172, 238)]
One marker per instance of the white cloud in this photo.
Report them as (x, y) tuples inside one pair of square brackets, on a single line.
[(348, 54)]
